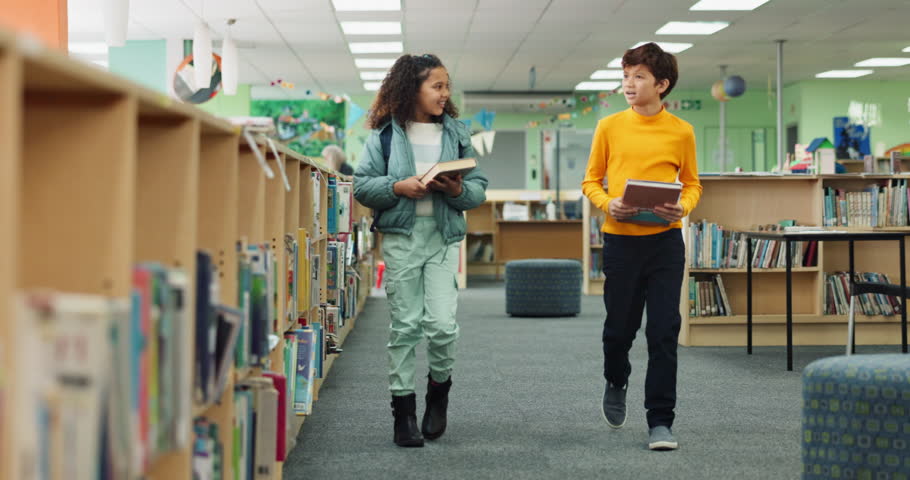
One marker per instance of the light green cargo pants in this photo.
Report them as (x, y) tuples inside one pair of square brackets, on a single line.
[(421, 284)]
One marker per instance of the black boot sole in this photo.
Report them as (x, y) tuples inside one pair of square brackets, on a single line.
[(431, 436), (410, 443)]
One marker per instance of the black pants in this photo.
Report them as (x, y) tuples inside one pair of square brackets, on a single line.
[(639, 270)]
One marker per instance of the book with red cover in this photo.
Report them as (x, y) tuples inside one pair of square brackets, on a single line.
[(647, 194), (280, 382)]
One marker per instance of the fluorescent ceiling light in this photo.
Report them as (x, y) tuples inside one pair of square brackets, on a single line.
[(373, 75), (884, 62), (615, 63), (88, 48), (692, 28), (371, 28), (906, 50), (668, 47), (843, 73), (606, 75), (597, 85), (366, 5), (374, 62), (718, 5), (371, 86), (377, 47)]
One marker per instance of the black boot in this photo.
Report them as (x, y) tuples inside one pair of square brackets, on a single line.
[(434, 418), (404, 409)]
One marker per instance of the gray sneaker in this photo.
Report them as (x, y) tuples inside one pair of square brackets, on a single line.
[(614, 405), (661, 438)]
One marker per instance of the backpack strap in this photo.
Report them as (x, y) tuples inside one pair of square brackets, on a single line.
[(385, 141)]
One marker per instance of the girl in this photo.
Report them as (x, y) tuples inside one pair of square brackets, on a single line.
[(414, 126)]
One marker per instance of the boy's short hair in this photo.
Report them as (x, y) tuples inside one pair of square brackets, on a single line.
[(661, 64)]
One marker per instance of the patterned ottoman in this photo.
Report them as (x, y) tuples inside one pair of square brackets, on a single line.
[(543, 288), (856, 418)]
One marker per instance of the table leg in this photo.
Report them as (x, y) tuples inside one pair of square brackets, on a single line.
[(903, 297), (789, 308), (749, 296), (850, 295)]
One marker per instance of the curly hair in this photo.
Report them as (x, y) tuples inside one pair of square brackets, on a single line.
[(661, 64), (397, 95)]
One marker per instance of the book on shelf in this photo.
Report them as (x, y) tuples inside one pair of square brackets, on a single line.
[(710, 245), (449, 168), (881, 204), (208, 452), (708, 296), (646, 195), (837, 295)]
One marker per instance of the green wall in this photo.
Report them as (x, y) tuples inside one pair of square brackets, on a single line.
[(229, 105), (142, 61), (822, 100)]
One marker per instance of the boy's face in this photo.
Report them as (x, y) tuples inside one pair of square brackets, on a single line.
[(640, 87)]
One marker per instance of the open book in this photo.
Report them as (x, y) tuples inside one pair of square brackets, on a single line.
[(450, 168), (647, 194)]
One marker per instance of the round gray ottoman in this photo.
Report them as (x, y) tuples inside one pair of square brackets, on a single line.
[(543, 288), (856, 417)]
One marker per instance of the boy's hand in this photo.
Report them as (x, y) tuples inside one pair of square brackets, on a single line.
[(670, 212), (444, 183), (410, 187), (620, 211)]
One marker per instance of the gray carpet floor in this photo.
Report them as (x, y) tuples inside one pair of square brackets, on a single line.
[(525, 404)]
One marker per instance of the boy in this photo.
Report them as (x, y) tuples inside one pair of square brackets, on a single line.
[(643, 263)]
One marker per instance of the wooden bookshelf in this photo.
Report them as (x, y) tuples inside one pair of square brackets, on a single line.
[(509, 238), (10, 168), (98, 174), (165, 229), (739, 202)]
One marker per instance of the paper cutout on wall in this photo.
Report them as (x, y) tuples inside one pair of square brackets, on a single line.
[(477, 143), (488, 138), (485, 118), (355, 113)]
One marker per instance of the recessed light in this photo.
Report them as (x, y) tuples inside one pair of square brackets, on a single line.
[(366, 5), (843, 73), (719, 5), (373, 75), (88, 48), (883, 62), (371, 86), (374, 62), (668, 47), (615, 63), (597, 85), (606, 74), (376, 47), (371, 28), (692, 28)]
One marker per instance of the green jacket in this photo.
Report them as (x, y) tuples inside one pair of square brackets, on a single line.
[(373, 183)]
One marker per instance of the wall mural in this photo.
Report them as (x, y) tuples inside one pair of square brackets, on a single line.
[(305, 126)]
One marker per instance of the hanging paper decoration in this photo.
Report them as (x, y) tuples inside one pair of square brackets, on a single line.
[(584, 99), (587, 110), (734, 86), (542, 105), (338, 99), (717, 91), (116, 21), (355, 113), (485, 118), (202, 54), (229, 67), (564, 116), (477, 143), (602, 95), (488, 138)]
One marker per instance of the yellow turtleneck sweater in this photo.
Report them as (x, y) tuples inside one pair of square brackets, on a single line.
[(628, 145)]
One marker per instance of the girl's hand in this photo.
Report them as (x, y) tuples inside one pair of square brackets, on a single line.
[(450, 185), (410, 187), (670, 212), (620, 211)]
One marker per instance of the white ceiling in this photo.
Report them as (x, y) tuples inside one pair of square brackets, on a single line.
[(489, 45)]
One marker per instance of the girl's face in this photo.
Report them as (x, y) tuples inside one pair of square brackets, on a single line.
[(432, 96)]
